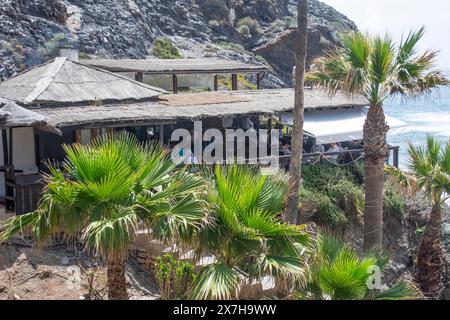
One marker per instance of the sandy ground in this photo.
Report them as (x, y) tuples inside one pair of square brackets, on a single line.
[(54, 273)]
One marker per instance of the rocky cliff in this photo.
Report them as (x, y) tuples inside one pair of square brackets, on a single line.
[(238, 29)]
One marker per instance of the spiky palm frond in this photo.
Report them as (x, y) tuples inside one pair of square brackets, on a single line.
[(246, 231), (430, 167), (337, 272), (399, 291)]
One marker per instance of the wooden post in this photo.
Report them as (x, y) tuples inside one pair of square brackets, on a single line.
[(270, 125), (175, 83), (216, 83), (161, 133), (5, 147), (234, 82), (10, 146), (94, 134), (78, 136), (395, 158), (258, 81), (139, 76)]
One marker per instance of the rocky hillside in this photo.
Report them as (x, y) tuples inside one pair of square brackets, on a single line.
[(246, 30)]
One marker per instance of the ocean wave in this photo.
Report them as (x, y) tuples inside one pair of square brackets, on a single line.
[(430, 118)]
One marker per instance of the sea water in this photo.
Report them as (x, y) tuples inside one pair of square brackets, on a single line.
[(426, 115)]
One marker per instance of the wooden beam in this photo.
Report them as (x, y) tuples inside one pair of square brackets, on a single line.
[(270, 127), (216, 82), (161, 133), (78, 136), (139, 76), (37, 159), (174, 83), (396, 157), (94, 134), (258, 81), (234, 82)]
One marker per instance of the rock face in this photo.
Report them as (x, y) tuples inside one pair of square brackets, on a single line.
[(127, 28), (325, 26)]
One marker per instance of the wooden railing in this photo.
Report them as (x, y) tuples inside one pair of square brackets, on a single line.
[(323, 157)]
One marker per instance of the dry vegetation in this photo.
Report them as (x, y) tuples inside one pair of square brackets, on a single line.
[(52, 273)]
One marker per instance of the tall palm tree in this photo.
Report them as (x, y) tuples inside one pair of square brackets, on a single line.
[(430, 173), (297, 135), (106, 191), (337, 272), (245, 234), (377, 68)]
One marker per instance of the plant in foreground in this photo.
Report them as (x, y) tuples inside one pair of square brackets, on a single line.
[(337, 272), (174, 277), (246, 234)]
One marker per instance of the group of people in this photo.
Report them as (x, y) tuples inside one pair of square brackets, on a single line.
[(335, 149)]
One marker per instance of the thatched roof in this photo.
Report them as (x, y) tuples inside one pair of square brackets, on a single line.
[(62, 81), (172, 107), (176, 66), (12, 116), (272, 42)]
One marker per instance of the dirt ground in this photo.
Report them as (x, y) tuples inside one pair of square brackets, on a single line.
[(60, 272)]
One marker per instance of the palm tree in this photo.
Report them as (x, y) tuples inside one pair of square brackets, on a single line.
[(338, 273), (297, 135), (429, 173), (245, 233), (106, 191), (376, 68)]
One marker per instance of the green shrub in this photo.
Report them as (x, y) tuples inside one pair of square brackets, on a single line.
[(318, 177), (251, 24), (50, 49), (321, 208), (243, 82), (394, 203), (173, 277), (84, 56), (163, 48), (232, 46), (244, 30)]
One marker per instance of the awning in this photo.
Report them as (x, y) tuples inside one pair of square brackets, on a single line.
[(341, 125)]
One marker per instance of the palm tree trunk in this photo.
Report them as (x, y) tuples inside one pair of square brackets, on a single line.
[(376, 152), (117, 285), (430, 259), (297, 136)]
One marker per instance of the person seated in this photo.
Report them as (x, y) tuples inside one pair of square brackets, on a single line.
[(334, 147), (286, 149)]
